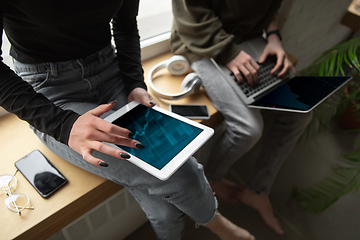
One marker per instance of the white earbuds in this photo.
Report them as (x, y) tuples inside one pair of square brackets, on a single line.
[(176, 65)]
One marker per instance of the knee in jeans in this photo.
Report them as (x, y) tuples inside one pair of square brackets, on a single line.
[(254, 132), (250, 133), (192, 177), (165, 218), (168, 226)]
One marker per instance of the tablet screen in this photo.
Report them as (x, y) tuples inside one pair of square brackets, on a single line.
[(163, 136)]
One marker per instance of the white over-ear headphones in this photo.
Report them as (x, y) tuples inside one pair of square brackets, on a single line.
[(177, 65)]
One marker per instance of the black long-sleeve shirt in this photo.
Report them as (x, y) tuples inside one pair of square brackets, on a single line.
[(42, 31)]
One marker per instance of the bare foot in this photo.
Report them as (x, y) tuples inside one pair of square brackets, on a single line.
[(226, 190), (227, 230), (262, 204)]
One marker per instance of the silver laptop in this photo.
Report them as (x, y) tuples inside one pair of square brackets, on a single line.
[(292, 93)]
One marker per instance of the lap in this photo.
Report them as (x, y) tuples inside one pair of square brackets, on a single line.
[(224, 98), (231, 106), (81, 89)]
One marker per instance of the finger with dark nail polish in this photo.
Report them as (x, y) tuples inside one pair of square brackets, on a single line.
[(139, 145), (103, 164), (130, 134), (125, 155), (114, 101)]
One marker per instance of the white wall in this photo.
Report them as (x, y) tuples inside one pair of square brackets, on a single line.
[(310, 27)]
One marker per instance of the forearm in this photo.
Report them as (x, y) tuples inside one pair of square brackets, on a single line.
[(18, 97), (127, 43), (273, 26)]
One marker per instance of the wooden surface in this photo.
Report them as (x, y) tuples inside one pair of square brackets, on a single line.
[(351, 18), (352, 8), (83, 192)]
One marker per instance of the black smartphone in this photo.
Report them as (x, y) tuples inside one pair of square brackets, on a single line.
[(40, 173), (191, 111)]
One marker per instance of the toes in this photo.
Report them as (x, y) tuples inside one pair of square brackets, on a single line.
[(275, 225)]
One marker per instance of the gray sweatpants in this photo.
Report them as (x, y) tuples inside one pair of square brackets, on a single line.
[(244, 127)]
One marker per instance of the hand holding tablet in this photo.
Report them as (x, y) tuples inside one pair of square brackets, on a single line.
[(169, 139)]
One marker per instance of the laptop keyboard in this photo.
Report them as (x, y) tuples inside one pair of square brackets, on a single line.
[(265, 78)]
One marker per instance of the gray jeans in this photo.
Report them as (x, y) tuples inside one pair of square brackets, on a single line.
[(244, 127), (83, 84)]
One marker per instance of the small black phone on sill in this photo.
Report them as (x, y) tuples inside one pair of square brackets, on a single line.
[(191, 111), (40, 173)]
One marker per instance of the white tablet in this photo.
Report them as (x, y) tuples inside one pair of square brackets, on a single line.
[(169, 138)]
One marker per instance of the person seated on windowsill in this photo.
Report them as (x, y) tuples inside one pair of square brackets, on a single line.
[(68, 77), (213, 29)]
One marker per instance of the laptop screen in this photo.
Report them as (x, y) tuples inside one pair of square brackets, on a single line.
[(301, 93)]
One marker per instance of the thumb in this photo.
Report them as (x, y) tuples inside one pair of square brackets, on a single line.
[(100, 110), (263, 57)]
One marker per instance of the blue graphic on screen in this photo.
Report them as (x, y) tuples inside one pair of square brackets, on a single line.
[(163, 136), (301, 93), (283, 96)]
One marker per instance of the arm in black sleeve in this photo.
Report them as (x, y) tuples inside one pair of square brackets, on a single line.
[(18, 97), (127, 42)]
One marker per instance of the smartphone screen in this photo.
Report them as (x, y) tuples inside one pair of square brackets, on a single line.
[(40, 173), (191, 111)]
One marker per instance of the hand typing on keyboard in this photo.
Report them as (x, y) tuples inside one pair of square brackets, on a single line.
[(274, 48), (245, 69), (265, 77), (251, 73), (243, 66)]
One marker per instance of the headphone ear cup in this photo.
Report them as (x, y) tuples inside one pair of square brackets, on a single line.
[(178, 65), (191, 81)]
